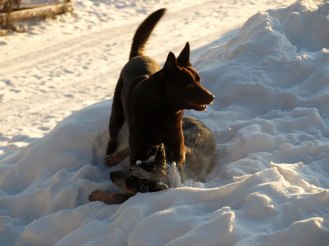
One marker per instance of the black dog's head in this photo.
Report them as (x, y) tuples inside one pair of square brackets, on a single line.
[(183, 84), (145, 176)]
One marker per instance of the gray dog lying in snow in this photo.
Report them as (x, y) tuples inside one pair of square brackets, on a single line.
[(154, 174)]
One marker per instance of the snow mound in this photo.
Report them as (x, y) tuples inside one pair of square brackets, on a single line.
[(270, 80)]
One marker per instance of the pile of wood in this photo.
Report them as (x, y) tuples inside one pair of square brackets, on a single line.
[(13, 11)]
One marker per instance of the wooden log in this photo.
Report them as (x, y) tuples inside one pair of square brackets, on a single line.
[(37, 12)]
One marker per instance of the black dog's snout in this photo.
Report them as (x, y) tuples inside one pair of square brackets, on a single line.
[(211, 97)]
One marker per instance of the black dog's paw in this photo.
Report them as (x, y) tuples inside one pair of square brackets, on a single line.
[(94, 196), (112, 160)]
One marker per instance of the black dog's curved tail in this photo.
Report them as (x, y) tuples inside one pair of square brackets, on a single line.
[(143, 33)]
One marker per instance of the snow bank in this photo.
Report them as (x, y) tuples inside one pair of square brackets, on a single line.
[(271, 84)]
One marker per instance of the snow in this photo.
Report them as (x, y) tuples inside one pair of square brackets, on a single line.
[(270, 118), (175, 179)]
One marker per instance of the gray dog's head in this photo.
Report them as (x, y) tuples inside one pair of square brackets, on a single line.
[(145, 176)]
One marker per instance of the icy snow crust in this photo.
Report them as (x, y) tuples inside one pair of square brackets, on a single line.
[(269, 185)]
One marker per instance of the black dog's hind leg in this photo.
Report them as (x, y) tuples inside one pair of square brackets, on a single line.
[(117, 119)]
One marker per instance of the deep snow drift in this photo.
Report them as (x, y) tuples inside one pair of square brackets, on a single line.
[(270, 183)]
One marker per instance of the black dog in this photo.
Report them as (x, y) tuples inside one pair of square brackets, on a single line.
[(151, 100)]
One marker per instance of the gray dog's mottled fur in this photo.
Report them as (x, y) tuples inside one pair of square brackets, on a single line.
[(200, 146)]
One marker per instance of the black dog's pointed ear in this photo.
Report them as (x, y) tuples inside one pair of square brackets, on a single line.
[(184, 57), (171, 64), (160, 157)]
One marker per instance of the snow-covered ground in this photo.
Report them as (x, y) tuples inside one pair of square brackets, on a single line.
[(270, 75)]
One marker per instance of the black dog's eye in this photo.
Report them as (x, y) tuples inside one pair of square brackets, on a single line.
[(190, 86)]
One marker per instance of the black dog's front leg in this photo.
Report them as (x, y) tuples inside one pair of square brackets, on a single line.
[(117, 118), (117, 157), (175, 148)]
